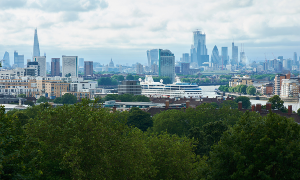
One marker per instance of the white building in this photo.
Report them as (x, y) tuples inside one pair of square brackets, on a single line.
[(70, 66), (289, 88), (42, 65)]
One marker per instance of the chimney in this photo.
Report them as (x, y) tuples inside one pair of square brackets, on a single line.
[(253, 107), (187, 104), (206, 96), (184, 98), (290, 110), (258, 107), (114, 109), (268, 106), (191, 97), (240, 105), (167, 104)]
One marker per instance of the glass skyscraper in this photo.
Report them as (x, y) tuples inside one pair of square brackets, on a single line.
[(166, 65), (224, 55), (6, 62), (235, 55), (18, 60), (152, 56), (36, 45), (198, 49), (215, 57)]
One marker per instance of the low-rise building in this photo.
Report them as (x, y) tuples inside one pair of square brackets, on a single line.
[(290, 88), (237, 80), (267, 89), (130, 87)]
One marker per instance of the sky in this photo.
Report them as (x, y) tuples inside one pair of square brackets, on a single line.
[(98, 30)]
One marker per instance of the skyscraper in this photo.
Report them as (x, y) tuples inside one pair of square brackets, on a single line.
[(36, 45), (198, 49), (6, 62), (81, 62), (88, 68), (55, 66), (152, 56), (235, 55), (70, 66), (295, 59), (215, 57), (185, 68), (186, 57), (18, 60), (224, 56), (166, 65), (42, 65)]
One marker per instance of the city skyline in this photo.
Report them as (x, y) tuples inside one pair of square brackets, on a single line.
[(106, 29)]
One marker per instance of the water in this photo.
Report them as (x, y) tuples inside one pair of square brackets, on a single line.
[(209, 91)]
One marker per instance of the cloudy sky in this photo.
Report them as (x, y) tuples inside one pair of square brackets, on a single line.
[(98, 30)]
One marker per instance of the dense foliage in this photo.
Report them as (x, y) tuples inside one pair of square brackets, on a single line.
[(107, 81), (245, 101), (166, 80), (66, 99), (127, 98)]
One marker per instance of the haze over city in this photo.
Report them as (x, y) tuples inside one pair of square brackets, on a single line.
[(98, 30)]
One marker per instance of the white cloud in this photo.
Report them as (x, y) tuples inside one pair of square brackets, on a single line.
[(135, 26)]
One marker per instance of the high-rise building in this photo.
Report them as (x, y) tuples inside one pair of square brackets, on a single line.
[(152, 56), (55, 66), (69, 66), (280, 57), (139, 68), (48, 67), (186, 57), (81, 62), (198, 49), (185, 68), (34, 65), (243, 59), (295, 59), (215, 57), (42, 65), (18, 60), (166, 66), (224, 56), (235, 54), (36, 45), (6, 62), (111, 64), (88, 68)]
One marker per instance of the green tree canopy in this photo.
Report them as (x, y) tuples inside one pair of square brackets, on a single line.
[(276, 101), (139, 119), (68, 99), (58, 100), (251, 90), (107, 81), (166, 80), (42, 99), (245, 100), (22, 95), (129, 77), (258, 148)]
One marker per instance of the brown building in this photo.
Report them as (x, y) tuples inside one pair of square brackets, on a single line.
[(56, 88), (55, 66), (268, 89), (88, 68), (237, 80)]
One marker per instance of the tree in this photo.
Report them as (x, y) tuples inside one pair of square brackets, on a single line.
[(120, 78), (42, 99), (251, 90), (258, 148), (22, 95), (298, 112), (106, 81), (276, 101), (129, 77), (58, 100), (245, 100), (68, 75), (139, 119), (141, 98), (68, 99), (30, 103), (230, 103), (109, 97)]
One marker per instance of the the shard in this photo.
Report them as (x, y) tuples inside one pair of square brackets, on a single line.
[(36, 45)]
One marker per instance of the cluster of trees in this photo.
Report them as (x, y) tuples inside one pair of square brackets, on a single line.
[(271, 77), (251, 90), (127, 98), (133, 77), (83, 141), (166, 80), (65, 99), (107, 81)]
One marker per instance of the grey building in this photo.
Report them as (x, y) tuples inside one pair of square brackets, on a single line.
[(235, 54), (88, 68), (6, 62), (18, 60), (186, 57), (295, 59), (185, 68), (166, 66), (70, 66), (55, 66), (215, 57), (224, 56), (198, 49), (34, 65), (81, 62), (130, 87), (152, 56)]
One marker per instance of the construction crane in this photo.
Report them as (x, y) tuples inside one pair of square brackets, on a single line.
[(274, 56)]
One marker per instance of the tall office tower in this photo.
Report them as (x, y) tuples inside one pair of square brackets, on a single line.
[(48, 67), (198, 49), (280, 66), (166, 64), (18, 60), (280, 57), (185, 68), (152, 56), (186, 57), (224, 56), (36, 45), (34, 65), (235, 54), (70, 66), (154, 68), (81, 62), (55, 66), (42, 65), (88, 68), (139, 68), (6, 62), (243, 59), (215, 58), (289, 64), (295, 59)]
